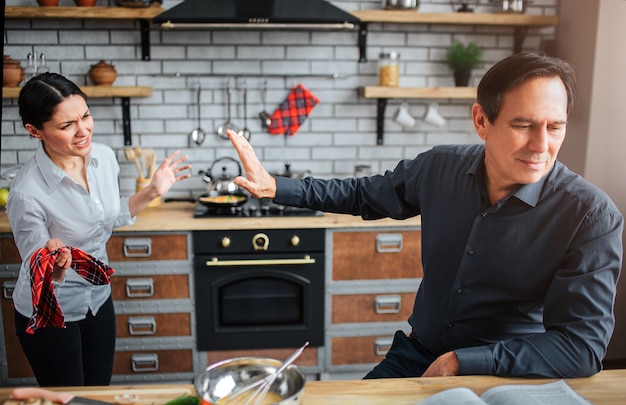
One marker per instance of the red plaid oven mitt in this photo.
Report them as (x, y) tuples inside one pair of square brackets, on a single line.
[(46, 309), (292, 112)]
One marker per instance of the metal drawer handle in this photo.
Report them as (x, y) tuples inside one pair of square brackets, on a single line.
[(382, 346), (142, 325), (389, 242), (387, 304), (139, 287), (138, 247), (144, 362), (215, 262), (7, 289)]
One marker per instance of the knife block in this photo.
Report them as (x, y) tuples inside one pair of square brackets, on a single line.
[(142, 183)]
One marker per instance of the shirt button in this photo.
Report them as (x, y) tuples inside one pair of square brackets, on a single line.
[(450, 325), (471, 252), (484, 215), (459, 291)]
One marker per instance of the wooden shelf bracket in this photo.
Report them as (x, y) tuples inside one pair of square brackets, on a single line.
[(126, 121), (363, 42), (145, 39)]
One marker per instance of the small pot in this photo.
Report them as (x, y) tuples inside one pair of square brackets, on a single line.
[(102, 74), (12, 72), (400, 4), (293, 175), (48, 3), (85, 3)]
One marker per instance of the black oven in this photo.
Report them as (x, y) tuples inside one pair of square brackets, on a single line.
[(259, 289)]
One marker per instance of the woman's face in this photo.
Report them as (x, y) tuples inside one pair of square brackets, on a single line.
[(68, 133)]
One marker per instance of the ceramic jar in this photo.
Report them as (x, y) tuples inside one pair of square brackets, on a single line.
[(102, 74), (12, 72), (48, 3), (85, 3)]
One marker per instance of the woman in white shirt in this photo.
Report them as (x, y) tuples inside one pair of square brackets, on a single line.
[(68, 195)]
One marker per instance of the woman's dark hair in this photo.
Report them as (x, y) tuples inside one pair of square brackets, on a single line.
[(41, 95), (515, 70)]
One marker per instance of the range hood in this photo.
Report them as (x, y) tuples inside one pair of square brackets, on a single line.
[(272, 14)]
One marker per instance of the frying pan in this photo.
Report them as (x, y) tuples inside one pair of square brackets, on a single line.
[(218, 201)]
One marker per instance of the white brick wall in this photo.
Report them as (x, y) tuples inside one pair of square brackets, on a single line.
[(340, 132)]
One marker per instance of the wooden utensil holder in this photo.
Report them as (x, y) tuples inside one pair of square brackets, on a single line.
[(142, 183)]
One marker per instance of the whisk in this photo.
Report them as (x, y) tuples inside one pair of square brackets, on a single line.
[(262, 386)]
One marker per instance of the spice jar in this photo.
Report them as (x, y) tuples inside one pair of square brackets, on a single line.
[(388, 69)]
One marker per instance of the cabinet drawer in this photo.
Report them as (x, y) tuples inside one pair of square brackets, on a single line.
[(372, 307), (17, 364), (359, 349), (8, 251), (148, 325), (129, 248), (377, 255), (308, 358), (150, 287), (153, 362)]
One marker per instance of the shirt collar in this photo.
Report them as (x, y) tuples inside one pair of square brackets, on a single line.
[(528, 193), (52, 174)]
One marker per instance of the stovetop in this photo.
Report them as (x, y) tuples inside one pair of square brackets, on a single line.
[(254, 207)]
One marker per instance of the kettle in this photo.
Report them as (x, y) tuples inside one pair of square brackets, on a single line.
[(222, 183)]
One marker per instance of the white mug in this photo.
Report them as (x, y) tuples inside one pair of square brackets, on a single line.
[(433, 117), (403, 117)]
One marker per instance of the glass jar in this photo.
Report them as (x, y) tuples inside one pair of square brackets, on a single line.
[(388, 69)]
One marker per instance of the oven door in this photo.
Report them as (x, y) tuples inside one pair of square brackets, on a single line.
[(271, 302)]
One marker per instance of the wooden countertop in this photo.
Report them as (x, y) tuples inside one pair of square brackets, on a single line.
[(605, 388), (178, 216)]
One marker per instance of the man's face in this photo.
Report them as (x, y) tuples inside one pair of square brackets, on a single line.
[(523, 142)]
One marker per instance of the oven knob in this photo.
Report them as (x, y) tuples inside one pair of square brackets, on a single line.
[(260, 241), (295, 240), (225, 241)]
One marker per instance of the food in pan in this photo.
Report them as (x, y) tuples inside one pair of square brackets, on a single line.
[(223, 199)]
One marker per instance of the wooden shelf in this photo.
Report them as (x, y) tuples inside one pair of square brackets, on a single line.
[(382, 94), (143, 14), (123, 92), (520, 22), (113, 13), (467, 93), (414, 17), (94, 91)]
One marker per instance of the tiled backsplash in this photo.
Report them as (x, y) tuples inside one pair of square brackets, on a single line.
[(340, 132)]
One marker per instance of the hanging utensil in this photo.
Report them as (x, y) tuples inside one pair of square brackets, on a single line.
[(245, 132), (265, 117), (221, 130), (197, 135)]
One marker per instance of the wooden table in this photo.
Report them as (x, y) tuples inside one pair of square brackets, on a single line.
[(605, 388)]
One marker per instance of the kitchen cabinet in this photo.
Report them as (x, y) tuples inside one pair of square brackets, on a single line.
[(372, 280), (151, 289)]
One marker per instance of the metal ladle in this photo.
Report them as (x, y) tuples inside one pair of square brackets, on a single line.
[(221, 130), (245, 132), (264, 116), (197, 135)]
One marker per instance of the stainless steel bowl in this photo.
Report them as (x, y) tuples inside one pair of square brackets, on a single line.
[(223, 378), (400, 4)]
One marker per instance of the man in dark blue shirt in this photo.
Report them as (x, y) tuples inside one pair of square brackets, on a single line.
[(521, 256)]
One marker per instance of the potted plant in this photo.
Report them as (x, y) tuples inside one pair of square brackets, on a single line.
[(462, 59)]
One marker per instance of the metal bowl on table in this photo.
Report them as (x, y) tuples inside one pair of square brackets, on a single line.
[(226, 377)]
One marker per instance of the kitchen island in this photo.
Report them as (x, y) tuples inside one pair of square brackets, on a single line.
[(605, 388)]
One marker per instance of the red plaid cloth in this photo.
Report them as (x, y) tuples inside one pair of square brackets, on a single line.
[(292, 112), (46, 309)]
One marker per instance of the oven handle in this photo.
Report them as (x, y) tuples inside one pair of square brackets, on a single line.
[(215, 262)]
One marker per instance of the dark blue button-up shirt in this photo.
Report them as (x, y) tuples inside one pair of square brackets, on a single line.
[(523, 287)]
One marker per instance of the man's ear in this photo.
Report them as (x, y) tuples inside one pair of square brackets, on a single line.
[(34, 132), (480, 120)]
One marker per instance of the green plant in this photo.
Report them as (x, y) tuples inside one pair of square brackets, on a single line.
[(464, 57)]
